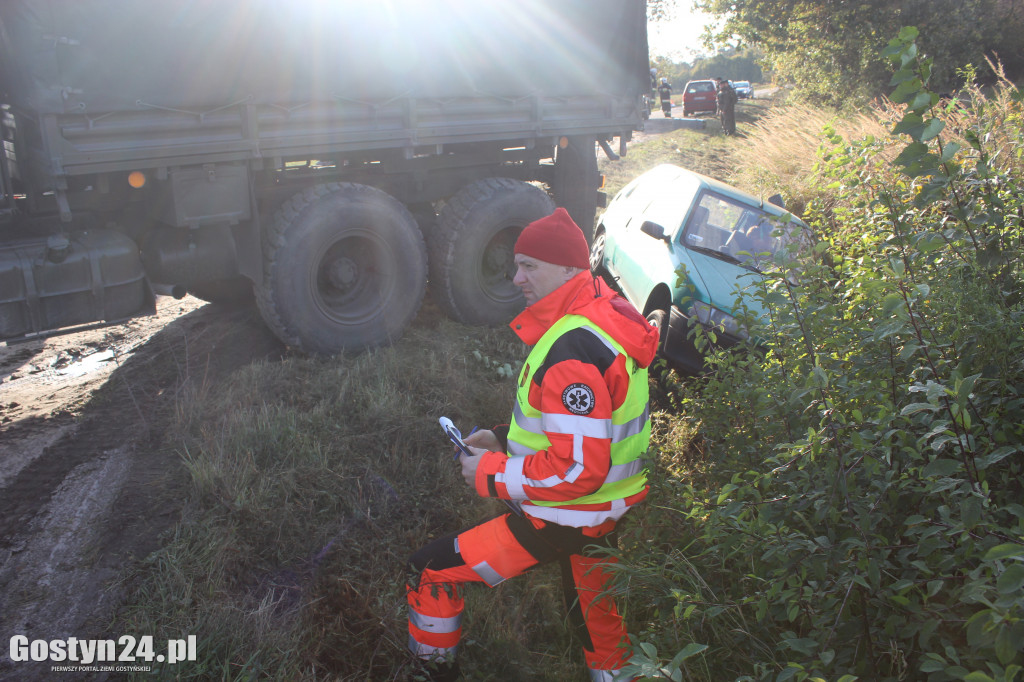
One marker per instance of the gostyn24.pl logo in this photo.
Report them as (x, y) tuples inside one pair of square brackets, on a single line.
[(126, 649)]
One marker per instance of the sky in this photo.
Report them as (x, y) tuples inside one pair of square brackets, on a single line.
[(678, 36)]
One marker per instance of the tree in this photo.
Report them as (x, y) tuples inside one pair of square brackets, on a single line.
[(830, 48)]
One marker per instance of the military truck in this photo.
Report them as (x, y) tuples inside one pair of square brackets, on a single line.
[(323, 157)]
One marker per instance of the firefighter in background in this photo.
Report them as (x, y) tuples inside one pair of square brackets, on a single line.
[(570, 461), (665, 92)]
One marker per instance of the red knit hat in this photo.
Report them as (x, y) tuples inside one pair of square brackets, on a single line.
[(555, 239)]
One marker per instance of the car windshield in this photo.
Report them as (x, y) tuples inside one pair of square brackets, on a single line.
[(734, 231)]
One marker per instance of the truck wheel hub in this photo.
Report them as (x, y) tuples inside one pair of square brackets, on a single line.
[(342, 272), (498, 258)]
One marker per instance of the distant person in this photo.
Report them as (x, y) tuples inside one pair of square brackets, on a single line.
[(727, 106), (665, 92), (570, 463)]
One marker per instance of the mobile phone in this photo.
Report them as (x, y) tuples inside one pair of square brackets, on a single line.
[(455, 436)]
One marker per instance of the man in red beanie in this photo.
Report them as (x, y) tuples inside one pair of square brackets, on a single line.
[(570, 462)]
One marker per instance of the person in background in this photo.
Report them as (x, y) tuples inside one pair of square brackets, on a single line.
[(665, 93), (570, 461), (727, 106)]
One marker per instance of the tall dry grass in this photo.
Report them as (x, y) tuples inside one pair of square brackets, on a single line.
[(994, 109), (780, 153)]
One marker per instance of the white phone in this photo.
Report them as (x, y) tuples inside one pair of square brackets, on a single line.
[(455, 436)]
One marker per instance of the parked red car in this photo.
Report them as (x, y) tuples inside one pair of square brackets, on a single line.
[(699, 96)]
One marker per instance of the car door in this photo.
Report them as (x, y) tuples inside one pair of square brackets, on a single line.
[(642, 261)]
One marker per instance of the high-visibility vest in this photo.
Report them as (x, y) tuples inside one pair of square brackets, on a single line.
[(629, 428)]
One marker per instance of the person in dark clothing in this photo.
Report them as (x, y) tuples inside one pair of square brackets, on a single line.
[(727, 106), (665, 92)]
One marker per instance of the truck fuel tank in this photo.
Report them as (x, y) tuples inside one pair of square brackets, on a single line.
[(48, 283)]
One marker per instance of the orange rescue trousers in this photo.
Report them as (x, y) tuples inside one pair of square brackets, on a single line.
[(503, 548)]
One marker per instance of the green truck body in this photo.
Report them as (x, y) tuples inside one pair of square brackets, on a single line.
[(325, 157)]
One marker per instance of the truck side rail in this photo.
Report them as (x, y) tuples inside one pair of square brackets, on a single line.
[(153, 137)]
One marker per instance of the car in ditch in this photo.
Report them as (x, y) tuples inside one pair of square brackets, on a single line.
[(685, 249)]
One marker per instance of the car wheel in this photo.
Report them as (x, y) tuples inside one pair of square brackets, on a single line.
[(597, 253), (659, 320), (659, 369)]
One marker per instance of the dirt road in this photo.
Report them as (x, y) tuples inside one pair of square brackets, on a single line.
[(88, 478)]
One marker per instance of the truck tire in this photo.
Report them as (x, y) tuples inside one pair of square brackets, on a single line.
[(577, 181), (344, 269), (472, 264)]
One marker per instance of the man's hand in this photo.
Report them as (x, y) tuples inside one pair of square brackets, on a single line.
[(480, 442), (469, 465), (484, 439)]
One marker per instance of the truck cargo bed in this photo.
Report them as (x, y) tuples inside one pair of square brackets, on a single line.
[(116, 84)]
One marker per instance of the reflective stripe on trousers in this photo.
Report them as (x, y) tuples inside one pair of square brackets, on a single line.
[(435, 624), (433, 653), (608, 676)]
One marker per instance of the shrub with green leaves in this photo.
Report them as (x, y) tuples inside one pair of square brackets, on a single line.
[(861, 511)]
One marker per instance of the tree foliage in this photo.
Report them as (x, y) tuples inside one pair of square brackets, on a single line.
[(860, 514), (730, 63), (830, 48)]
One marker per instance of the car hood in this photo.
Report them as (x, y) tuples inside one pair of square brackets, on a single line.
[(719, 280)]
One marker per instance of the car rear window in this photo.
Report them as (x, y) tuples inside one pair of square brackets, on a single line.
[(701, 87)]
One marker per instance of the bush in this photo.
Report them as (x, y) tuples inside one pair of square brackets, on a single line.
[(859, 513)]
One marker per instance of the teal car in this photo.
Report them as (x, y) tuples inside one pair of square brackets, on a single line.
[(671, 221)]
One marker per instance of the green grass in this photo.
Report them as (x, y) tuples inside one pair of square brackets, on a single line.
[(312, 480)]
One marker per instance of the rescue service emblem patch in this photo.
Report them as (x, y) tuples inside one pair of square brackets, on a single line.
[(578, 398)]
